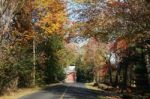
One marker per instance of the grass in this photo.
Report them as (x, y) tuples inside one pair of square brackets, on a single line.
[(20, 92), (90, 86), (26, 91), (102, 97)]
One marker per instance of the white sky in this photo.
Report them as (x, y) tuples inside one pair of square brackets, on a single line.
[(80, 41), (73, 6)]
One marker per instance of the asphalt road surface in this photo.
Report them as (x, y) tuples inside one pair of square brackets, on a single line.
[(66, 91)]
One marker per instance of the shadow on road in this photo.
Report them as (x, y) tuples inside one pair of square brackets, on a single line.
[(68, 91), (78, 91)]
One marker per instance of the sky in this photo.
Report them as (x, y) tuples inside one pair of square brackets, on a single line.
[(80, 41), (71, 5)]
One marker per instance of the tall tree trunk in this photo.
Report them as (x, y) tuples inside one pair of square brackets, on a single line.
[(110, 70), (147, 60), (125, 76), (34, 63), (117, 74)]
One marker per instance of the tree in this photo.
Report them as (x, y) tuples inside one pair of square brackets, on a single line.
[(109, 20), (52, 65), (7, 11), (42, 22), (51, 16), (68, 55), (115, 18), (38, 21)]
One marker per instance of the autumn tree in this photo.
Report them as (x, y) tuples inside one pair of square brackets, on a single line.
[(10, 48), (112, 19), (8, 9), (39, 21)]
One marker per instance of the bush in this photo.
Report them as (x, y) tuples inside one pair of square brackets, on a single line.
[(24, 69), (15, 69), (8, 77)]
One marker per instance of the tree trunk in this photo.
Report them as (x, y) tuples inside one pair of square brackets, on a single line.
[(117, 74), (110, 70), (34, 63), (125, 76), (147, 60)]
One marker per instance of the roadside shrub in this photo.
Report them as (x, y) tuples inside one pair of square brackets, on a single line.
[(8, 77)]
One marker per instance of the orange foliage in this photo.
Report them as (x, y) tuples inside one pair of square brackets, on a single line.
[(119, 44), (118, 4), (50, 15), (104, 70)]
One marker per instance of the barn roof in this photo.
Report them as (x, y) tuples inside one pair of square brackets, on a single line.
[(70, 69)]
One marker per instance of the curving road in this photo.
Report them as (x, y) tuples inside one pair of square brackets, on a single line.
[(66, 91)]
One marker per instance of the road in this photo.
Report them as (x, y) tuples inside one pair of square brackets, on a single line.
[(66, 91)]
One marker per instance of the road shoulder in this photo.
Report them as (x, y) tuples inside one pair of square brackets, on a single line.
[(25, 91)]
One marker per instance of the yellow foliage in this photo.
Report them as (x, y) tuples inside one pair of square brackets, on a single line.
[(52, 15)]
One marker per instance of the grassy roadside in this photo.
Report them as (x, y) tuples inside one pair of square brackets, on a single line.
[(90, 86), (20, 92), (25, 91)]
